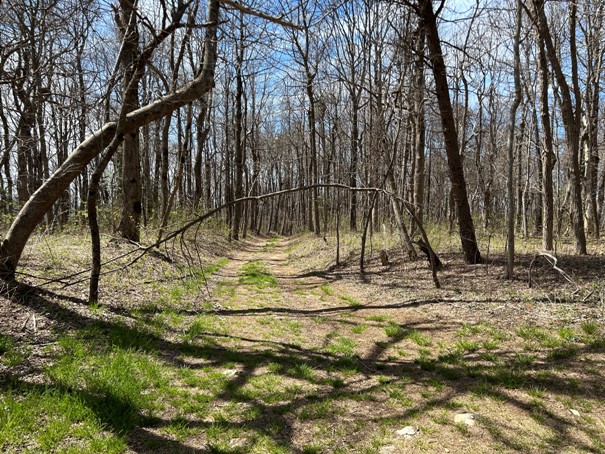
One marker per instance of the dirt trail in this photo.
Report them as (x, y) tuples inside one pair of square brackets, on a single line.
[(387, 350), (280, 354), (324, 300)]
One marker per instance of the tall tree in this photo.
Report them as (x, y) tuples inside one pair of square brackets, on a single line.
[(571, 108), (510, 237), (466, 227), (130, 218)]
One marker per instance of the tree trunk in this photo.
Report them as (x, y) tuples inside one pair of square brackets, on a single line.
[(408, 246), (130, 217), (465, 221), (548, 155), (510, 237), (419, 142), (240, 152), (570, 111)]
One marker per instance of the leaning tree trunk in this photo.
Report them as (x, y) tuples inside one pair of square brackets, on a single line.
[(570, 110), (42, 200), (466, 227)]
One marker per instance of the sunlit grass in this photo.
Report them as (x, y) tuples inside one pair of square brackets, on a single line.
[(255, 274)]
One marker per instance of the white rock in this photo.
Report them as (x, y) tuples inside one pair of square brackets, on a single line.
[(465, 418), (407, 431), (574, 412)]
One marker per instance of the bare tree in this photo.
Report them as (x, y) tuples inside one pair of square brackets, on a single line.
[(40, 202), (126, 19), (465, 221), (510, 238), (571, 108)]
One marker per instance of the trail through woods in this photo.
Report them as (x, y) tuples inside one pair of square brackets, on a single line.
[(279, 353)]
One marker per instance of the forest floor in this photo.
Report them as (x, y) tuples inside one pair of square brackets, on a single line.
[(269, 349)]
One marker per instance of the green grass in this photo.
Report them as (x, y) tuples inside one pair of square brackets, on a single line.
[(11, 354), (467, 346), (271, 243), (419, 338), (178, 290), (321, 409), (360, 328), (269, 388), (47, 419), (532, 333), (327, 289), (255, 274), (395, 331), (590, 327), (304, 371), (342, 346), (380, 318), (350, 301), (126, 379), (97, 392), (204, 324)]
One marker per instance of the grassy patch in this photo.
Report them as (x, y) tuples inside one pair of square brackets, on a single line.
[(419, 338), (321, 409), (380, 318), (350, 301), (359, 329), (344, 346), (327, 289), (255, 274), (48, 419), (120, 384), (203, 325), (395, 331), (11, 354)]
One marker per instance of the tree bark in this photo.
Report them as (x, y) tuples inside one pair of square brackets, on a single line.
[(465, 221), (130, 218), (510, 237), (570, 111), (419, 140)]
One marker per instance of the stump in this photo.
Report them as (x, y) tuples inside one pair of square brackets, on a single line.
[(384, 258)]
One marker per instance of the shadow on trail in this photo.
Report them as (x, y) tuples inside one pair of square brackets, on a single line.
[(276, 419), (323, 311)]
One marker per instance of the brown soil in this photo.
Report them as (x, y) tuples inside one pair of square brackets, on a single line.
[(526, 395)]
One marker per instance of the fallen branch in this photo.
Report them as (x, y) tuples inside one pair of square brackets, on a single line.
[(552, 260), (139, 252)]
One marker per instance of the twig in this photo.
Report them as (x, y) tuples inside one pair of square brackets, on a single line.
[(552, 260), (587, 296), (25, 322), (247, 10)]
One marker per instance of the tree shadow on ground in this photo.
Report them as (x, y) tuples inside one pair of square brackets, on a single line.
[(276, 418)]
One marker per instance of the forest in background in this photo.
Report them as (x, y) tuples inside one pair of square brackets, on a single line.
[(466, 113), (214, 165)]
